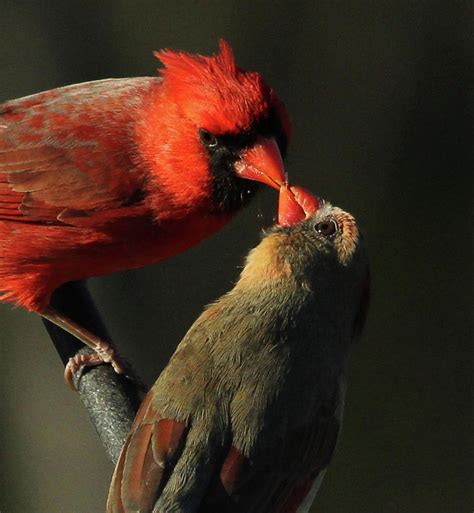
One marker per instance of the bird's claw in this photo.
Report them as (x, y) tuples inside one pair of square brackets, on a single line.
[(104, 354)]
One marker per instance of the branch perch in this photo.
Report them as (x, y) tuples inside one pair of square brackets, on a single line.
[(110, 399)]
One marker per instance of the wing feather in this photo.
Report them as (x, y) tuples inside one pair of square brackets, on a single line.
[(140, 471), (70, 149), (274, 480)]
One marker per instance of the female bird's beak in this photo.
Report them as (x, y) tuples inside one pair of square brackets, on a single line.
[(262, 163), (295, 204)]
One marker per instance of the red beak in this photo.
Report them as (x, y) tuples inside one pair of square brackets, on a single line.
[(262, 163), (295, 204)]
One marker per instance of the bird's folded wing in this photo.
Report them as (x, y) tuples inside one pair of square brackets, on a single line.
[(68, 152), (277, 480), (140, 471), (170, 466), (321, 439)]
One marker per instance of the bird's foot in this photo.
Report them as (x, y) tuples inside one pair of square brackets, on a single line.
[(104, 354)]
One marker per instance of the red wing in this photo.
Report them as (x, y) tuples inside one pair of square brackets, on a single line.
[(67, 152), (140, 471)]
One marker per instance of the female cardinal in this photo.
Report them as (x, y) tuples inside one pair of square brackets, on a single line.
[(245, 417), (117, 174)]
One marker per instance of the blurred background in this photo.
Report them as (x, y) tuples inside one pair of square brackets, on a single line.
[(378, 93)]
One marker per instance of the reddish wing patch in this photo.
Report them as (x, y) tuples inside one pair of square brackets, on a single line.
[(310, 448), (166, 440), (134, 469), (139, 474), (69, 149), (296, 497), (114, 501), (231, 469)]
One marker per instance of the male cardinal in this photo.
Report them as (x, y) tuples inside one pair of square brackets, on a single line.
[(117, 174), (245, 417)]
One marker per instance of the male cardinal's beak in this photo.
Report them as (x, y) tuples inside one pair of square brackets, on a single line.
[(295, 204), (262, 163)]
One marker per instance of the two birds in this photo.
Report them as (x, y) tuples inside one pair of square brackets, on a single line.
[(117, 174)]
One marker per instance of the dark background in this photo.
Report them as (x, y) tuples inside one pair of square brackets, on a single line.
[(377, 91)]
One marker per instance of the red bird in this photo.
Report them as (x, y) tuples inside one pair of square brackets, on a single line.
[(120, 173), (245, 417)]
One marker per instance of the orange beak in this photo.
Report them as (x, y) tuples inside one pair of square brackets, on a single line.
[(295, 204), (262, 163)]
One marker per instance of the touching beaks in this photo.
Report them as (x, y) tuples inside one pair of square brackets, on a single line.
[(262, 163), (295, 204)]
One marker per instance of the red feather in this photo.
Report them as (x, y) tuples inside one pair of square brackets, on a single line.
[(111, 175), (231, 469)]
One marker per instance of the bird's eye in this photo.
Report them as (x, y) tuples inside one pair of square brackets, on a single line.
[(208, 139), (326, 228)]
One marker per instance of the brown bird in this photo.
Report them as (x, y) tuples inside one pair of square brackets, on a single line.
[(245, 417)]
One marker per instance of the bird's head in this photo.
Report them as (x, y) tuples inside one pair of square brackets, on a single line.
[(212, 131), (323, 236), (317, 249)]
